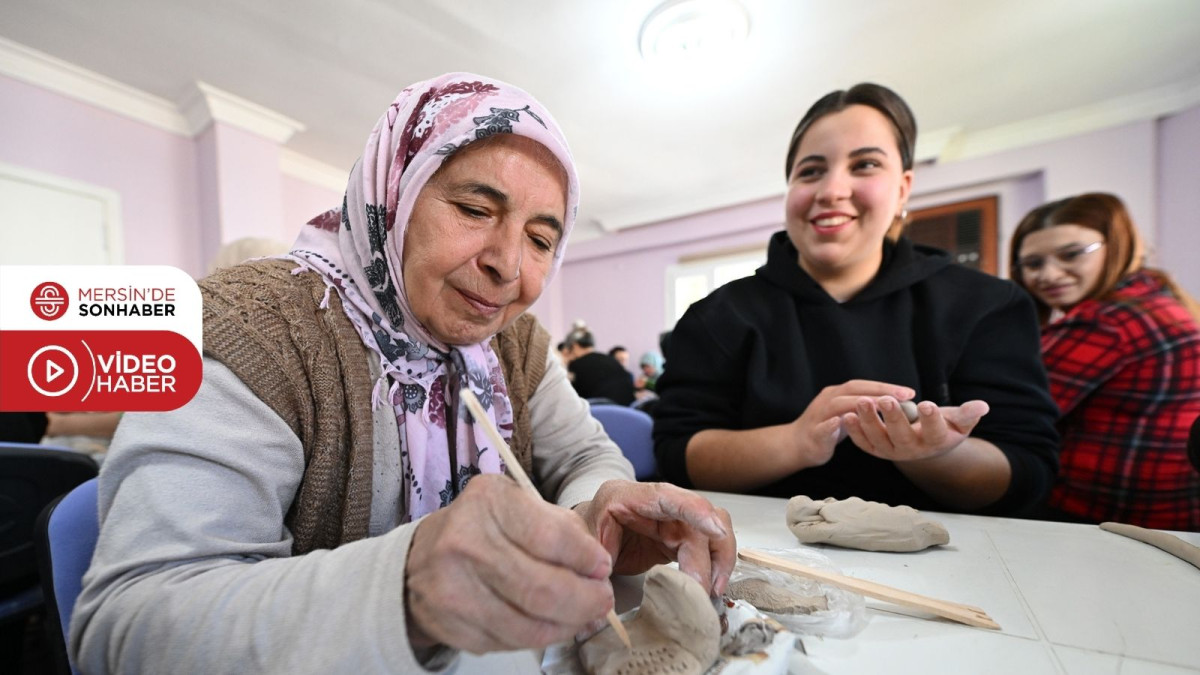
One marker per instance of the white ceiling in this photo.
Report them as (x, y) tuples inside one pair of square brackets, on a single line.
[(650, 143)]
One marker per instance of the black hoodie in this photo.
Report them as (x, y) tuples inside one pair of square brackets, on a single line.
[(756, 351)]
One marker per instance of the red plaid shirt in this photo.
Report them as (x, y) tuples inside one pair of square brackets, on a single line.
[(1125, 373)]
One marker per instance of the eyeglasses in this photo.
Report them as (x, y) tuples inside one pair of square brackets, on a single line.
[(1066, 256)]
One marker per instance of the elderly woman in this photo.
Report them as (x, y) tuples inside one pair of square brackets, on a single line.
[(790, 381), (325, 504), (1121, 343)]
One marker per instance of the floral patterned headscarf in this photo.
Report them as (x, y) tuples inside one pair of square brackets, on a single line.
[(358, 251)]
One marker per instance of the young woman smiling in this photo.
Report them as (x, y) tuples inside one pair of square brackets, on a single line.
[(789, 382), (1122, 348)]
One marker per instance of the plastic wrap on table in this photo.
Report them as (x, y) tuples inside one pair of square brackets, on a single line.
[(845, 614)]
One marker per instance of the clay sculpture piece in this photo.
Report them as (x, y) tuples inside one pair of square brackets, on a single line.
[(867, 526), (1167, 542), (774, 599), (676, 630), (752, 638), (910, 410)]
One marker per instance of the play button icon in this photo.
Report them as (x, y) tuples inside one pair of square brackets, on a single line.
[(53, 364)]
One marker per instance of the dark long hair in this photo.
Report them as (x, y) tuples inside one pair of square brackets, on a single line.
[(1124, 252)]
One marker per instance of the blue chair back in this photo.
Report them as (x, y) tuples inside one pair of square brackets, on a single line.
[(631, 430), (69, 529)]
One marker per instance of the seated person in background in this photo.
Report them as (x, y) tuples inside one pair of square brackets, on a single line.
[(789, 382), (327, 472), (241, 250), (596, 374), (1122, 349), (621, 355), (23, 427), (651, 365), (89, 432)]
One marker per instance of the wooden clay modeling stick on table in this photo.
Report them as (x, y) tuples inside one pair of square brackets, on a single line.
[(514, 468), (1167, 542), (972, 616)]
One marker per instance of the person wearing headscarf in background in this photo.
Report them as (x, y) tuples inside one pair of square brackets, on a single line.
[(325, 503), (651, 365), (1121, 344), (767, 375)]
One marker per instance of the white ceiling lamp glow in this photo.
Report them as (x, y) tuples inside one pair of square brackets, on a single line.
[(693, 31)]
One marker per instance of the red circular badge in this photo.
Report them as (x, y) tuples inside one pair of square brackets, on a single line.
[(49, 301)]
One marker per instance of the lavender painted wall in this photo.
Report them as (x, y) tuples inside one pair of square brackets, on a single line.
[(208, 195), (153, 171), (1120, 160), (617, 283), (1178, 178), (302, 201), (174, 190), (250, 187)]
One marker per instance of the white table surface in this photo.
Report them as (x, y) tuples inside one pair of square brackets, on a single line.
[(1070, 599)]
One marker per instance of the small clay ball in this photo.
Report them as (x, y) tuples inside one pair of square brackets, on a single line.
[(910, 410)]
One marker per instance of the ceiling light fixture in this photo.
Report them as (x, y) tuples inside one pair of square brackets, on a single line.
[(692, 30)]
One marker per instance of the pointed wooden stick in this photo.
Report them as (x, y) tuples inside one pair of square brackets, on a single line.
[(514, 468), (972, 616)]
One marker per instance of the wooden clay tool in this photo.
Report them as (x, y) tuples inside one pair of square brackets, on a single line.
[(972, 616), (514, 468)]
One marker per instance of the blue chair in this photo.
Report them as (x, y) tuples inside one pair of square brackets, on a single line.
[(631, 430), (67, 532), (31, 476)]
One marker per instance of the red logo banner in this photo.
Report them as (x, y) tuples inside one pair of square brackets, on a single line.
[(97, 370)]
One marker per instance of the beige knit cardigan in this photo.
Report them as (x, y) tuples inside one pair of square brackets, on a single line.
[(310, 366)]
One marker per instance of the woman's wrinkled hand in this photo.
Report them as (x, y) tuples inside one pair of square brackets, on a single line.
[(500, 569), (646, 524)]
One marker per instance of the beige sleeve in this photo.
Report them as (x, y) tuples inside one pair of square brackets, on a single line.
[(193, 570), (572, 456)]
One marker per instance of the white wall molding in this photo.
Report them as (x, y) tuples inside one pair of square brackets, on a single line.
[(42, 70), (311, 171), (1150, 104), (931, 144), (199, 108), (206, 104)]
